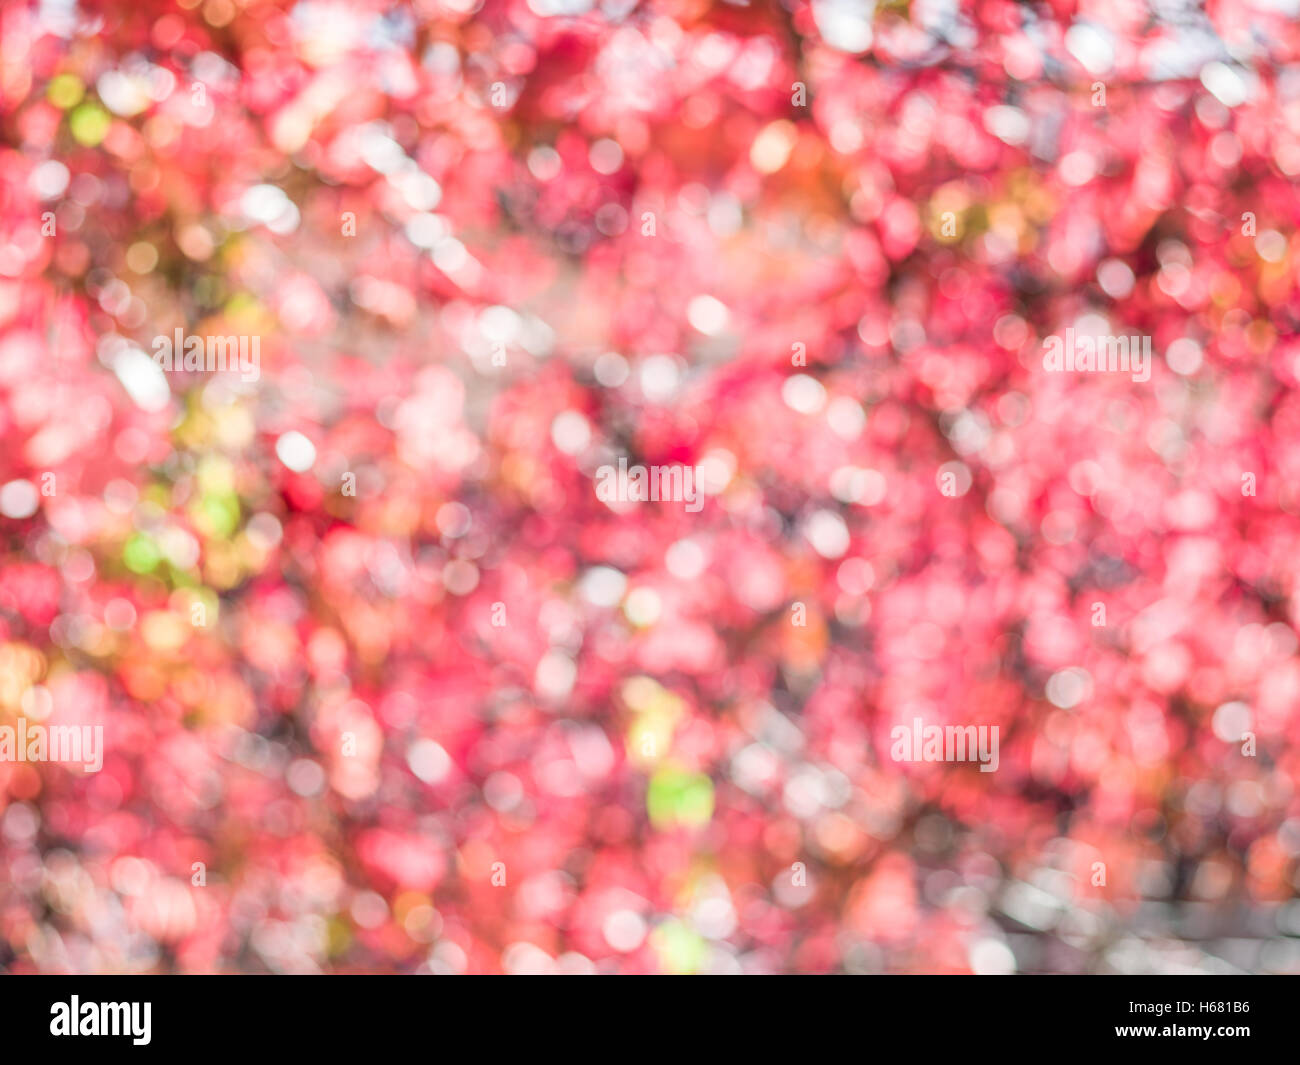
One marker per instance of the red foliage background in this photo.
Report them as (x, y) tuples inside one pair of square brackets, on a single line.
[(469, 718)]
